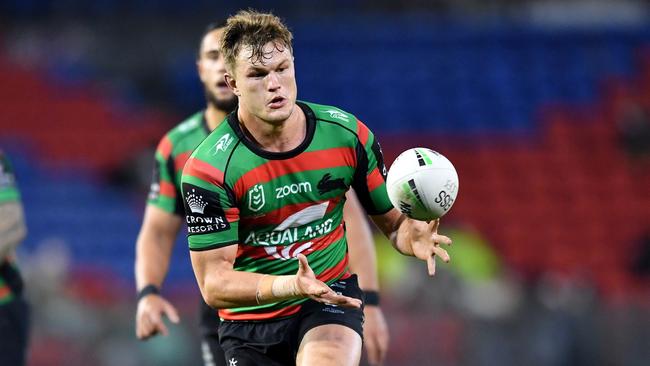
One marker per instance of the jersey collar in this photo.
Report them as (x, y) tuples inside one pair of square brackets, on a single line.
[(233, 121)]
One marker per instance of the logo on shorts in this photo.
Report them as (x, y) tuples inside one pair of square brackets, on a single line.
[(232, 362), (256, 198)]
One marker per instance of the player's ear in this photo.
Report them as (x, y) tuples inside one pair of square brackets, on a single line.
[(232, 84), (199, 69)]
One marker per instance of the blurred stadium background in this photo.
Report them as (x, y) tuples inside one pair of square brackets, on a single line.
[(542, 106)]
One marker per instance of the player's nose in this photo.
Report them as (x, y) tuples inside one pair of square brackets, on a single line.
[(273, 81)]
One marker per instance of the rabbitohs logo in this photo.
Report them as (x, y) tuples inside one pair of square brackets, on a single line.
[(256, 198), (327, 184)]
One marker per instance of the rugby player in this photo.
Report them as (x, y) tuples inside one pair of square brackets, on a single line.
[(14, 311), (264, 196), (164, 215)]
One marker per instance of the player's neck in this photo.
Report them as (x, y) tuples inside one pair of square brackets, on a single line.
[(275, 137), (214, 116)]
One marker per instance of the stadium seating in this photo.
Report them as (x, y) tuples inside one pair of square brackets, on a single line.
[(527, 116)]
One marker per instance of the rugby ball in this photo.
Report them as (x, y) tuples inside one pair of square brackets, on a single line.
[(422, 184)]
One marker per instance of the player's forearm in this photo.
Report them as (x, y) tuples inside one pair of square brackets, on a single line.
[(395, 226), (153, 255), (227, 288), (401, 237)]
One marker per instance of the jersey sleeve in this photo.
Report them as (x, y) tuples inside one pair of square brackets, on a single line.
[(8, 189), (370, 175), (211, 215), (163, 192)]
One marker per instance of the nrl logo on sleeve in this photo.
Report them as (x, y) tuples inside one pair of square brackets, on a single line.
[(338, 114), (256, 198), (223, 143)]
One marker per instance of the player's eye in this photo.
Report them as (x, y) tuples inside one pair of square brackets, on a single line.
[(257, 74), (213, 55)]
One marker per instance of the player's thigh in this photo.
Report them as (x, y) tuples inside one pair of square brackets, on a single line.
[(330, 344)]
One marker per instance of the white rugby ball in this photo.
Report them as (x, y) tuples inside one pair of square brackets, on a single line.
[(422, 184)]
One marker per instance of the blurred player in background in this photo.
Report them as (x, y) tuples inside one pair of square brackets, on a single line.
[(164, 217), (14, 311), (265, 191)]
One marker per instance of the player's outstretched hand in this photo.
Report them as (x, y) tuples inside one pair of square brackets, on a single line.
[(149, 317), (425, 242), (318, 290)]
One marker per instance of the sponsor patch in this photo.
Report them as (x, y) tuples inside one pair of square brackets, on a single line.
[(203, 211)]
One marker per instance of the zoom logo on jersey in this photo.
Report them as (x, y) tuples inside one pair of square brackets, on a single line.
[(327, 184), (290, 189), (203, 211)]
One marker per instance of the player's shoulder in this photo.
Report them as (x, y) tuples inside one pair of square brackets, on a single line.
[(217, 146), (337, 118), (188, 127), (333, 114)]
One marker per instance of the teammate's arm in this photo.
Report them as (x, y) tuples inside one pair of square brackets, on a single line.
[(363, 261), (12, 227), (153, 252), (224, 287)]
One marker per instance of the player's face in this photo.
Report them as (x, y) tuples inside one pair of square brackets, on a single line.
[(212, 68), (266, 88)]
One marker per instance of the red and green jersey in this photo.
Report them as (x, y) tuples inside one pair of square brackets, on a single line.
[(277, 205), (8, 193), (173, 151)]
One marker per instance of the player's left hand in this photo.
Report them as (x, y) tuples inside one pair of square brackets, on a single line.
[(375, 335), (425, 242)]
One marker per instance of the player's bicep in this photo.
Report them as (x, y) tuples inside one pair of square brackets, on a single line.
[(207, 264), (163, 223), (370, 174)]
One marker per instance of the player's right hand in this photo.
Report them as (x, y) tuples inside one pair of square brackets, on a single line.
[(318, 290), (149, 316)]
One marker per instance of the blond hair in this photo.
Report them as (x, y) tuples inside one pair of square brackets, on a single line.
[(254, 29)]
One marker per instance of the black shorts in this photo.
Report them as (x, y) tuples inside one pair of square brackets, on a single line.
[(276, 342), (14, 332), (211, 350)]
